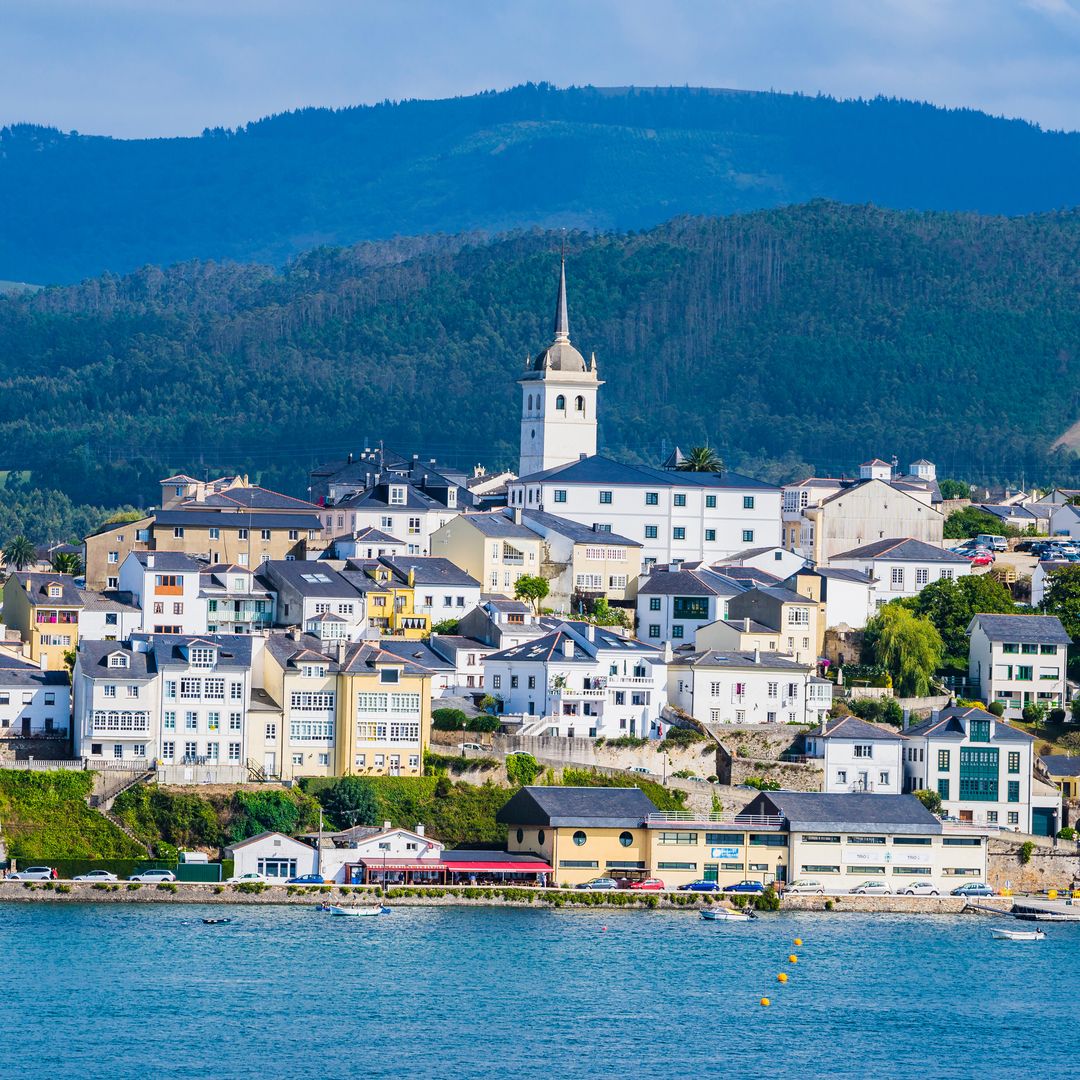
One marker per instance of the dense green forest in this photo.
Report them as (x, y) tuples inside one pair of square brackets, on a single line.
[(532, 156), (810, 337)]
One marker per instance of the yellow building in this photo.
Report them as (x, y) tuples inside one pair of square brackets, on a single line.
[(391, 606), (105, 550), (492, 547), (337, 708), (45, 609)]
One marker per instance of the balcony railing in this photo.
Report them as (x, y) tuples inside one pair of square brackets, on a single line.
[(570, 692), (741, 821)]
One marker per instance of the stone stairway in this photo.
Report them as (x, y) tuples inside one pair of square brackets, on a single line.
[(102, 802)]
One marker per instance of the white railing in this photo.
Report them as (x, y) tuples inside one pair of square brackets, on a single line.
[(628, 680), (742, 821), (570, 692)]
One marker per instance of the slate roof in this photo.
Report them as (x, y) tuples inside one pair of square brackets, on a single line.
[(574, 530), (1030, 629), (740, 625), (690, 583), (851, 727), (602, 470), (371, 535), (30, 676), (1061, 764), (555, 807), (417, 653), (108, 601), (306, 577), (254, 498), (429, 570), (902, 549), (234, 650), (859, 576), (948, 724), (498, 525), (93, 661), (714, 658), (550, 646), (173, 561), (851, 812), (378, 497), (236, 519), (36, 586)]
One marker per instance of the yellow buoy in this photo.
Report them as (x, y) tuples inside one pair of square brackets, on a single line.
[(765, 1001), (798, 941), (781, 977), (793, 958)]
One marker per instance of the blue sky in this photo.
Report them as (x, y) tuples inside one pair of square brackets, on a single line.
[(172, 67)]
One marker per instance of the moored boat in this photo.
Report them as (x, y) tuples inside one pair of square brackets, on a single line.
[(370, 910), (217, 922), (726, 915), (1000, 934)]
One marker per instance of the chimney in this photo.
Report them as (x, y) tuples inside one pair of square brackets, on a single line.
[(150, 561), (590, 632), (746, 625), (341, 646), (825, 724), (757, 654), (294, 633), (386, 826), (667, 654), (517, 515), (567, 647), (419, 828), (907, 719)]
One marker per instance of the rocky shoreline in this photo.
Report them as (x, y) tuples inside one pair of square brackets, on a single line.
[(438, 896)]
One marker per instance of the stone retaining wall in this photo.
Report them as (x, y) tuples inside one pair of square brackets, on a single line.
[(511, 896), (1048, 868)]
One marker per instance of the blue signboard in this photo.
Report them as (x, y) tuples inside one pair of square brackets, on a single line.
[(724, 853)]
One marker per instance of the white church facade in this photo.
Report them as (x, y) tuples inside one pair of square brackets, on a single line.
[(677, 516)]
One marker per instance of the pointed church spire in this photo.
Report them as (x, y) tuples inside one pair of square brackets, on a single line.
[(562, 321)]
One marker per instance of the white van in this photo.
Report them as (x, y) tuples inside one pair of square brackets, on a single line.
[(194, 857), (992, 541)]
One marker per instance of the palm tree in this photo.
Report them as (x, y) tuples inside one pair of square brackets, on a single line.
[(702, 459), (19, 553), (67, 562)]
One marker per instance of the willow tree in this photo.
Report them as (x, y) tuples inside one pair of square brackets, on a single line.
[(907, 646)]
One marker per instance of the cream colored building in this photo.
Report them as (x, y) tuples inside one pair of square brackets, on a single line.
[(492, 547)]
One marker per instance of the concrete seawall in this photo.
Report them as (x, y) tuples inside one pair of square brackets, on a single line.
[(467, 896)]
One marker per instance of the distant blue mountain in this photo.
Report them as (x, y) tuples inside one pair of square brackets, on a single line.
[(77, 206)]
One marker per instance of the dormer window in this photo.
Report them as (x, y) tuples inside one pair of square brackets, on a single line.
[(397, 495), (200, 656), (118, 660), (55, 592), (451, 497), (239, 584), (313, 671), (389, 675)]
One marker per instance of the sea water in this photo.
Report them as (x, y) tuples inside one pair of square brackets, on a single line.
[(148, 990)]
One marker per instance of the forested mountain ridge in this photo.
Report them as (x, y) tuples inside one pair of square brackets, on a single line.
[(533, 156), (808, 337)]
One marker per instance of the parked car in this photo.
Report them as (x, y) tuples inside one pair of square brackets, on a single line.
[(871, 888), (307, 879), (751, 888), (599, 883), (972, 888), (96, 875), (153, 875), (700, 886), (251, 876), (993, 541), (982, 558), (640, 769), (805, 885), (919, 888), (651, 884), (33, 873), (475, 747)]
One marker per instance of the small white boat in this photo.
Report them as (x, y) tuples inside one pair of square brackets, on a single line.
[(360, 912), (726, 915), (1017, 935)]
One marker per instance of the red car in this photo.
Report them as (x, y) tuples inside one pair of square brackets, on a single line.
[(652, 884), (982, 559)]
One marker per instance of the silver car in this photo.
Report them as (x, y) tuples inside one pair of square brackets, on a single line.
[(919, 888), (153, 875), (872, 888), (32, 873), (96, 875)]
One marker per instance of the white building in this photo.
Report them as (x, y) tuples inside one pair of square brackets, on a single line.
[(777, 561), (1019, 660), (467, 655), (858, 756), (676, 516), (175, 698), (581, 680), (165, 585), (982, 768), (1065, 521), (673, 604), (747, 688), (1040, 579), (848, 596), (440, 589), (901, 566), (108, 617), (558, 400), (33, 702)]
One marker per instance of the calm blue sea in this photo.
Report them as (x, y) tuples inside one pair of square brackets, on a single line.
[(148, 991)]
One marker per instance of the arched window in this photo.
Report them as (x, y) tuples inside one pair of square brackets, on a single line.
[(579, 403), (530, 403), (560, 402)]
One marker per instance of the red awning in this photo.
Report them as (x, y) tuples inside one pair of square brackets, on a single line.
[(501, 867), (415, 864)]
